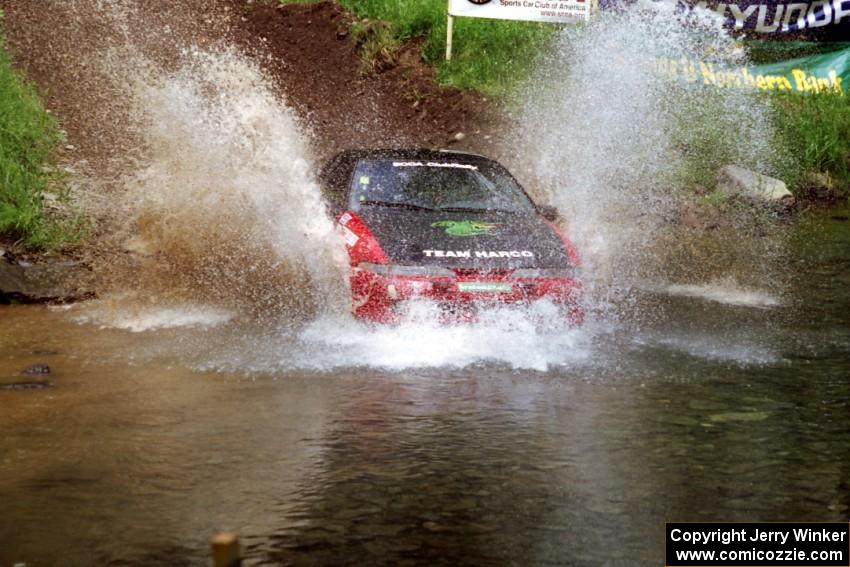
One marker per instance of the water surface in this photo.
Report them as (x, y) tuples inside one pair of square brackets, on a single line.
[(725, 406)]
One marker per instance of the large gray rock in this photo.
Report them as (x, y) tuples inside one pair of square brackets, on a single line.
[(49, 280), (739, 181)]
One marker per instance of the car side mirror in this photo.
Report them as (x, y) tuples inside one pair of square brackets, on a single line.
[(549, 213)]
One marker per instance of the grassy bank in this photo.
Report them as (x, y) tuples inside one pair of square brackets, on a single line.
[(490, 56), (28, 137), (815, 131), (494, 57)]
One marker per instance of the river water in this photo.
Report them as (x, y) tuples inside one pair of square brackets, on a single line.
[(730, 405)]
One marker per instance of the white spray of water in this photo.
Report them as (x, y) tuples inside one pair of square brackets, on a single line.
[(612, 142), (223, 205), (726, 291), (528, 337), (502, 337), (130, 316)]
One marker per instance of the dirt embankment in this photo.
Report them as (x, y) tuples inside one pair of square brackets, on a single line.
[(68, 48), (305, 49), (308, 51)]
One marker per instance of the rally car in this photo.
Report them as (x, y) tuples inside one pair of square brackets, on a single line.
[(453, 228)]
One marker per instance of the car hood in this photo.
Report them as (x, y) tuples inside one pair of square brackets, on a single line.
[(475, 240)]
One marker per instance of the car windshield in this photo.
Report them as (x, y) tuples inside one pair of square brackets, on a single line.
[(436, 186)]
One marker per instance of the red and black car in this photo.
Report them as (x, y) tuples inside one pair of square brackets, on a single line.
[(451, 227)]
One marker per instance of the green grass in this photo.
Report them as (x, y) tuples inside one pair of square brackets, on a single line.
[(492, 56), (815, 131), (810, 145), (812, 131), (378, 44), (28, 137)]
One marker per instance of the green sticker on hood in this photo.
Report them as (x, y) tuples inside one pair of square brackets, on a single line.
[(465, 227)]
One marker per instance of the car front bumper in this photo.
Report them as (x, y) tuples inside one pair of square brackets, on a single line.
[(377, 297)]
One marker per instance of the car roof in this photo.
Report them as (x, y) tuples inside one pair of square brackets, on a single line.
[(406, 153), (336, 172)]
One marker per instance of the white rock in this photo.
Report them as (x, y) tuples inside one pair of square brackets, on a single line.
[(736, 180)]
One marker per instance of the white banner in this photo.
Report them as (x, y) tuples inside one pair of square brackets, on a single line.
[(532, 10)]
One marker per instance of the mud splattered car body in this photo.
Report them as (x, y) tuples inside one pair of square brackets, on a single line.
[(451, 227)]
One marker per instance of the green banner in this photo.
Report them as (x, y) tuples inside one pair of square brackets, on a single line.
[(822, 68)]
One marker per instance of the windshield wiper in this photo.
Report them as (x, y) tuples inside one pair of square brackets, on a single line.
[(397, 205)]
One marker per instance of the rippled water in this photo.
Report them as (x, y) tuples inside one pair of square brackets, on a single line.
[(328, 445)]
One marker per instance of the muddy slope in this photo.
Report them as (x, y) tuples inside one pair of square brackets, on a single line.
[(305, 49), (63, 46), (315, 63)]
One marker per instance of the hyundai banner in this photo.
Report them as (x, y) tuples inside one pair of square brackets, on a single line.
[(822, 20)]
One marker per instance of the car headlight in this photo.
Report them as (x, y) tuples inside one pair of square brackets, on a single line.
[(415, 271), (544, 273)]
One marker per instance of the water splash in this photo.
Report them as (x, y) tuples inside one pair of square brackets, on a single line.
[(223, 205), (223, 227), (228, 233), (131, 316), (522, 338), (726, 291), (503, 337), (613, 143)]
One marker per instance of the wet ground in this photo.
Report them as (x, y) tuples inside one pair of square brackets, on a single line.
[(330, 446)]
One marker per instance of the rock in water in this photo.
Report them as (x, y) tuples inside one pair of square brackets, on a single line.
[(48, 280), (36, 370), (736, 180)]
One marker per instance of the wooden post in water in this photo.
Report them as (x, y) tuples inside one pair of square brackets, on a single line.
[(226, 551)]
